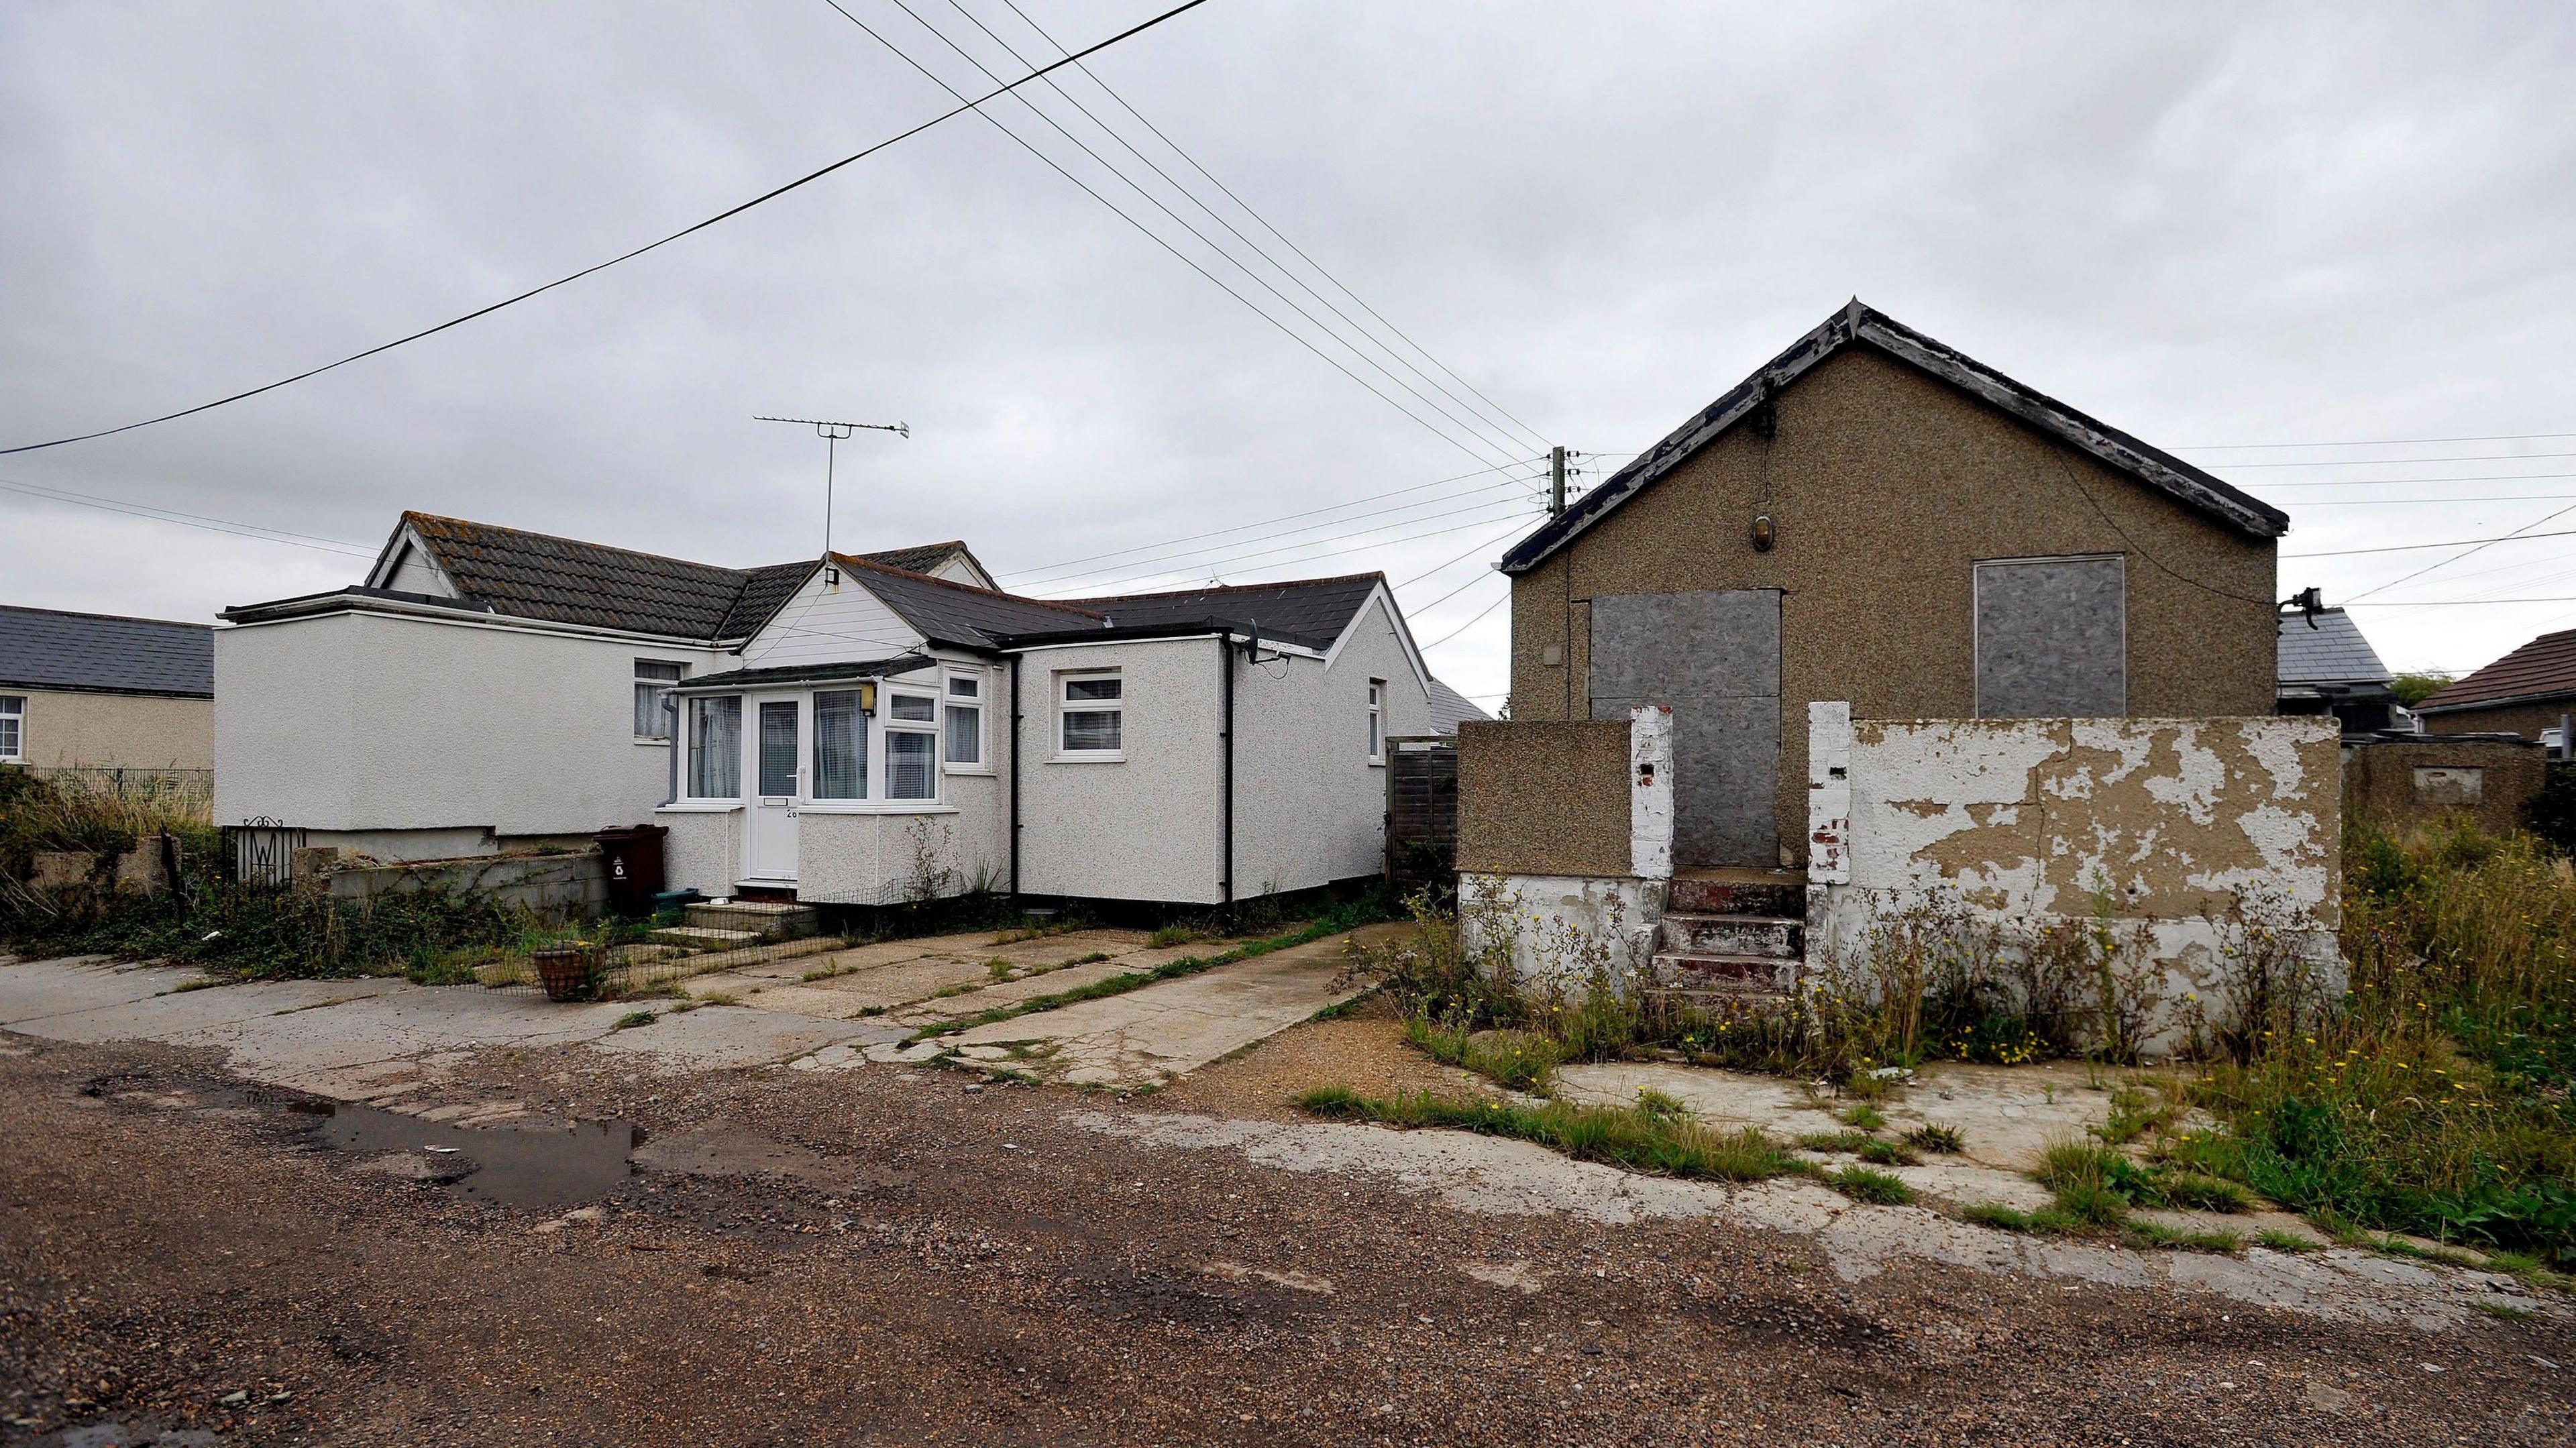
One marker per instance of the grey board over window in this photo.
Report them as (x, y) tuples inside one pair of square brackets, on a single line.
[(2052, 638)]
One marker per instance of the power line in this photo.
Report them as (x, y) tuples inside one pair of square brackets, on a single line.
[(201, 521), (2373, 442), (2419, 502), (2400, 462), (2523, 531), (1497, 409), (1463, 557), (1044, 568), (1164, 564), (1453, 593), (2453, 543), (2457, 602), (2401, 482), (1481, 441), (1471, 623), (1130, 584), (724, 215)]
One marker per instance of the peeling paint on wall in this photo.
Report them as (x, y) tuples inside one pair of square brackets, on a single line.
[(2178, 826)]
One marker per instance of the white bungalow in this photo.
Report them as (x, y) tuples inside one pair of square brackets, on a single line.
[(861, 729)]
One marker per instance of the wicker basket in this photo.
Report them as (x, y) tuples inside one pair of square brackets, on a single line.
[(568, 972)]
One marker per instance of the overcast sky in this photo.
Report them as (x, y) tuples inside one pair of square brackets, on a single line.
[(2219, 224)]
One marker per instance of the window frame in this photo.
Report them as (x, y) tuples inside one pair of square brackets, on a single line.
[(862, 710), (1066, 706), (692, 752), (950, 704), (889, 725), (13, 714), (662, 693), (1377, 721)]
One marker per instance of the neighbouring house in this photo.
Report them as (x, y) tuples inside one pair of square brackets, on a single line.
[(1876, 518), (2327, 667), (2530, 692), (102, 692), (858, 729), (1449, 709)]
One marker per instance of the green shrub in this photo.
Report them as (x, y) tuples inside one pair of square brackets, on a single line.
[(1867, 1184)]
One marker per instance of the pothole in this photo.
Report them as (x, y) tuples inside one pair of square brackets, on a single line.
[(531, 1167)]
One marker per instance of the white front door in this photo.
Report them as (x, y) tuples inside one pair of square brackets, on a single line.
[(776, 744)]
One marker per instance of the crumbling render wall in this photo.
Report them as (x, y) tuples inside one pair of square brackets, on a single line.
[(2182, 833), (1565, 840)]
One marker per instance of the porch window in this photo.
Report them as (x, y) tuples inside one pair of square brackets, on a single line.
[(840, 745), (13, 724), (715, 748), (912, 746), (653, 681), (1093, 709), (1377, 721), (965, 719)]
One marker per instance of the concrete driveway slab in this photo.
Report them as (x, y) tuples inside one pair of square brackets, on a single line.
[(718, 1037), (1149, 1035), (37, 990)]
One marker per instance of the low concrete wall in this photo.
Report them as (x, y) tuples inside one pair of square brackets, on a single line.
[(558, 887), (2184, 838), (2487, 779), (1554, 799)]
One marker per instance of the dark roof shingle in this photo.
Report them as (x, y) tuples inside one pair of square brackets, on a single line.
[(2333, 652), (1308, 612), (45, 648), (960, 613), (2542, 668)]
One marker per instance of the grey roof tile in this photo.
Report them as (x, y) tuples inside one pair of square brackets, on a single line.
[(44, 648), (2333, 652), (1308, 612), (960, 613), (1449, 709)]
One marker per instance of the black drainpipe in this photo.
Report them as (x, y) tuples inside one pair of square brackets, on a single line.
[(1015, 777), (1225, 790)]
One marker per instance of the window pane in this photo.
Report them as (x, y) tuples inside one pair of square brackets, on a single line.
[(840, 746), (910, 765), (715, 748), (913, 706), (965, 688), (1086, 690), (965, 735), (663, 673), (1091, 729), (778, 748), (12, 711)]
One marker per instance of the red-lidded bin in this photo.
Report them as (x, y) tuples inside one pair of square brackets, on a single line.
[(633, 856)]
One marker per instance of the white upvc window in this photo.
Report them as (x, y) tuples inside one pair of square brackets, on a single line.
[(840, 744), (13, 729), (965, 720), (1091, 715), (911, 745), (653, 681), (1377, 721), (715, 747)]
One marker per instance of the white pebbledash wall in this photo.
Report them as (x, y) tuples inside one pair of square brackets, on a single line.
[(1141, 827), (414, 737), (1309, 806), (2170, 827)]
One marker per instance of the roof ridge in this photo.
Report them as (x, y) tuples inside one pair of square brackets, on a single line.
[(106, 617), (858, 561), (414, 514), (1378, 574)]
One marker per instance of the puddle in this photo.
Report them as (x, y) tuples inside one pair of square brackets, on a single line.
[(537, 1168)]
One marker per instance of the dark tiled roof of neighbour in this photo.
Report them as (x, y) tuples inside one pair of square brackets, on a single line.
[(807, 674), (1308, 612), (2333, 652), (2542, 668), (1449, 709), (928, 557), (960, 613), (1857, 325), (45, 648), (566, 580)]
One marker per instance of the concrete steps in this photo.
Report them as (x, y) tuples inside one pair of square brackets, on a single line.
[(738, 923), (1730, 937)]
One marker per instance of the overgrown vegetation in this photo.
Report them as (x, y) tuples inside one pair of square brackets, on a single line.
[(1634, 1137)]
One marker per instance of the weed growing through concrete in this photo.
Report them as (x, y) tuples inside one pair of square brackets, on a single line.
[(2290, 1242), (2155, 1234), (1933, 1137), (632, 1019), (1627, 1137), (1517, 1060), (1868, 1184)]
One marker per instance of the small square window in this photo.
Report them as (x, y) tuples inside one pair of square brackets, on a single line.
[(965, 686), (1093, 714), (915, 706)]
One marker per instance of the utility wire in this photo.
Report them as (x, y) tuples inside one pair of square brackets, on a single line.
[(2523, 531), (199, 521), (2453, 543), (1039, 570), (1481, 441), (1471, 623), (1158, 566), (1263, 222), (2400, 462), (691, 229), (2401, 482), (1131, 585), (2373, 442)]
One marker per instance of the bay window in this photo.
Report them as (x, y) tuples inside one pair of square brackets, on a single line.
[(715, 748), (1092, 710), (840, 745)]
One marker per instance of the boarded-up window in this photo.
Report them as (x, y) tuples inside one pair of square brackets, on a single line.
[(2052, 638)]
